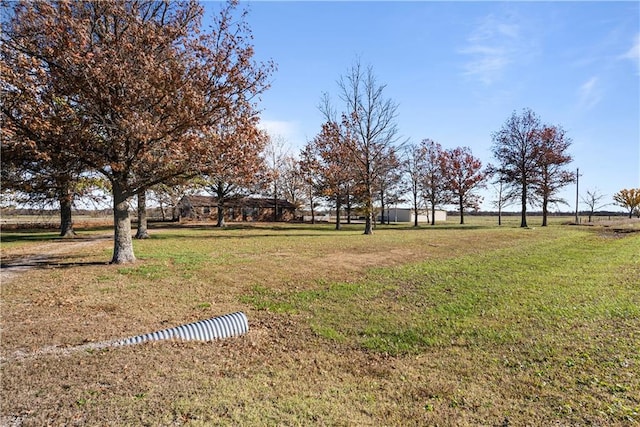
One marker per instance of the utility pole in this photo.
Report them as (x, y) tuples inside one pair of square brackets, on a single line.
[(577, 179)]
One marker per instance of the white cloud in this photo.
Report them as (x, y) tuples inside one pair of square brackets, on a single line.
[(634, 52), (589, 93), (493, 45), (277, 128)]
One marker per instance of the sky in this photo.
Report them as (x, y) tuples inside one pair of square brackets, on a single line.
[(458, 70)]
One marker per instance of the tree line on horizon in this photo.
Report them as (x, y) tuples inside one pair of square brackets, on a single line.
[(137, 98)]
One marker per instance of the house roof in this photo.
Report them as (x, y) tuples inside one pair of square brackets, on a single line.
[(199, 201)]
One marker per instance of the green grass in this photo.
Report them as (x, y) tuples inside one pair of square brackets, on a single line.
[(493, 298)]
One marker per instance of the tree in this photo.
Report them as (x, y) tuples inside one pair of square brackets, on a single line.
[(414, 164), (142, 83), (434, 180), (311, 175), (552, 157), (234, 161), (141, 229), (629, 199), (274, 155), (40, 183), (34, 161), (463, 175), (515, 146), (498, 185), (592, 199), (169, 195), (389, 184), (368, 130), (336, 177), (293, 181)]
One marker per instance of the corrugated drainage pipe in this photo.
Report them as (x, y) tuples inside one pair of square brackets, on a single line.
[(227, 326)]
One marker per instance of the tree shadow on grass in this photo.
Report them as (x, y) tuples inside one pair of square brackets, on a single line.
[(12, 236), (44, 262)]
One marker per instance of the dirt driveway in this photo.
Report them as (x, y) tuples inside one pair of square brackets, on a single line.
[(15, 262)]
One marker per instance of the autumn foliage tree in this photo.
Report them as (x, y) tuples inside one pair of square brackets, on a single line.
[(531, 159), (311, 174), (328, 156), (463, 177), (141, 81), (38, 182), (35, 126), (389, 184), (233, 159), (552, 156), (293, 182), (629, 199), (435, 188)]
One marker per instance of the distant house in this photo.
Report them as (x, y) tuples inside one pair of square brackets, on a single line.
[(241, 209), (408, 215)]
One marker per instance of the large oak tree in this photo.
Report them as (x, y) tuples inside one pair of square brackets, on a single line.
[(515, 146), (142, 82), (531, 159), (35, 127)]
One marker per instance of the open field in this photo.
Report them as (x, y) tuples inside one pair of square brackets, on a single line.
[(448, 325)]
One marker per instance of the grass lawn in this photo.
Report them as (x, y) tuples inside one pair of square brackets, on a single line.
[(447, 325)]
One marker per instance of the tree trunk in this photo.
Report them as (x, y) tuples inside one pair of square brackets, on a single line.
[(433, 213), (523, 212), (122, 241), (163, 212), (368, 223), (220, 223), (66, 222), (545, 202), (338, 206), (461, 211), (275, 204), (313, 212), (141, 231), (500, 204), (382, 204)]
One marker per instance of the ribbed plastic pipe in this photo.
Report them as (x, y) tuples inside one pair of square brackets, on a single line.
[(227, 326)]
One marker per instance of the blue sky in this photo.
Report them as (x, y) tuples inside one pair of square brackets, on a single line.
[(458, 70)]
